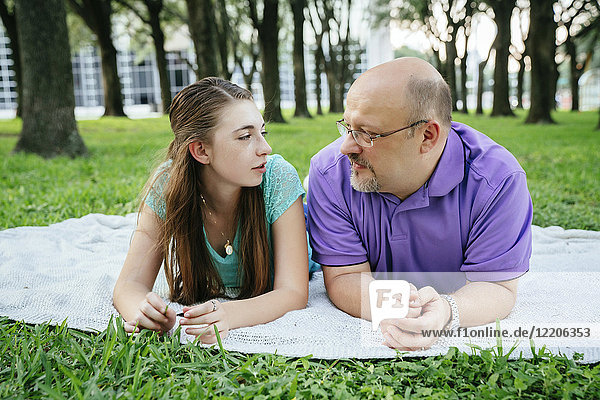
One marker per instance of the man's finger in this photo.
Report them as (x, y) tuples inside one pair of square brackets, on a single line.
[(427, 294), (409, 340)]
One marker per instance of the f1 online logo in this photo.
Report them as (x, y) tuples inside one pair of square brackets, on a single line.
[(389, 299)]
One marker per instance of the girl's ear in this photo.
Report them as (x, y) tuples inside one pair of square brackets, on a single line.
[(198, 151)]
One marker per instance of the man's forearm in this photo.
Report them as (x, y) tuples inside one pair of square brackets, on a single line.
[(350, 293), (482, 302)]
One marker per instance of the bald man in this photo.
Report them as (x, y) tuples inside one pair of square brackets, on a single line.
[(408, 192)]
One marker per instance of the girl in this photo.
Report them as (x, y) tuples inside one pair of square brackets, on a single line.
[(223, 217)]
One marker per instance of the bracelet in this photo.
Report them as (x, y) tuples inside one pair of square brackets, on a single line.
[(454, 323)]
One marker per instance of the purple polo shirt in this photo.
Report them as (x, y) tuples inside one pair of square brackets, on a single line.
[(473, 215)]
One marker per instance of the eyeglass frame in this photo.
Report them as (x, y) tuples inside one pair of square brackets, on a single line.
[(373, 137)]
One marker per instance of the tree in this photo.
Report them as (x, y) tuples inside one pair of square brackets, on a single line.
[(204, 35), (10, 24), (521, 56), (541, 50), (441, 21), (97, 16), (481, 80), (49, 127), (466, 30), (502, 14), (298, 7), (150, 14), (589, 37), (571, 15), (331, 19), (268, 37)]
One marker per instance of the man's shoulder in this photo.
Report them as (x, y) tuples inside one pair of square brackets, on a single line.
[(329, 161), (486, 158)]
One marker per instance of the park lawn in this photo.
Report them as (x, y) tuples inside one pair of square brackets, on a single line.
[(45, 361)]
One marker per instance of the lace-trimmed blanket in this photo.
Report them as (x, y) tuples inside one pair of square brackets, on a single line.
[(68, 270)]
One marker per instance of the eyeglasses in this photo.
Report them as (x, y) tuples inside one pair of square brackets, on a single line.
[(363, 138)]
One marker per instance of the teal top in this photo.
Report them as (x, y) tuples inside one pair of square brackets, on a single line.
[(281, 187)]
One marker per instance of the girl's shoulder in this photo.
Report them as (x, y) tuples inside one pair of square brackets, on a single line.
[(281, 186), (278, 169)]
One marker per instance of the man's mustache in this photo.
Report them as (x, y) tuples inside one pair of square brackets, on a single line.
[(356, 159)]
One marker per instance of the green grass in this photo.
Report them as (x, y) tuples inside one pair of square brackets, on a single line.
[(55, 362), (44, 361)]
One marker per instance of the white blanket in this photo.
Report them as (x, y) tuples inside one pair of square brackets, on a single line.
[(68, 270)]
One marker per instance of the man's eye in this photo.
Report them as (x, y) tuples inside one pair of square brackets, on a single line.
[(264, 133), (245, 137)]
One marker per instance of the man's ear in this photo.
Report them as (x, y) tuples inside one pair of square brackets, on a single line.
[(198, 151), (431, 135)]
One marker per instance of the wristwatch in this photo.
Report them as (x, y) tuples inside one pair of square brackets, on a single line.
[(454, 323)]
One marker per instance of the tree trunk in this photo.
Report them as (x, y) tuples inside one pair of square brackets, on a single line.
[(437, 61), (332, 82), (541, 51), (299, 73), (575, 74), (318, 69), (97, 16), (268, 35), (154, 10), (480, 82), (520, 77), (554, 81), (10, 24), (203, 31), (503, 11), (49, 127), (113, 100), (223, 34), (344, 70), (481, 79), (463, 83), (451, 68)]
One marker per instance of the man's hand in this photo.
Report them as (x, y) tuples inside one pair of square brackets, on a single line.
[(152, 314), (405, 333), (205, 317)]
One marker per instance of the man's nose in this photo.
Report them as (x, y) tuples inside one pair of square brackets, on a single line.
[(349, 145)]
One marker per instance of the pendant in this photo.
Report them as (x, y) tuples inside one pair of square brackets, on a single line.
[(228, 248)]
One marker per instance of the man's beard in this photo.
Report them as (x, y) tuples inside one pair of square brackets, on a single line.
[(366, 185)]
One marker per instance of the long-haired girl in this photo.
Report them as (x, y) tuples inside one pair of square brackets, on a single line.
[(222, 216)]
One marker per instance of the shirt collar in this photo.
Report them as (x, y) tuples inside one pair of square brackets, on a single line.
[(450, 170)]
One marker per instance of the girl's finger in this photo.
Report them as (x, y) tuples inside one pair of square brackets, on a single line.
[(131, 328), (157, 303), (153, 314), (201, 309), (198, 330), (147, 323)]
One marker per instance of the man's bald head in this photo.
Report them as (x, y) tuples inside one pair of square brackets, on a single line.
[(410, 85)]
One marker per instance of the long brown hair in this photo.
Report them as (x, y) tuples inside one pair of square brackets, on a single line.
[(192, 277)]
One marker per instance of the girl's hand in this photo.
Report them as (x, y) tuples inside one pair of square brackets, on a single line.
[(205, 317), (153, 314)]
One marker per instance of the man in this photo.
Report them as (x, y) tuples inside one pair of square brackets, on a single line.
[(407, 190)]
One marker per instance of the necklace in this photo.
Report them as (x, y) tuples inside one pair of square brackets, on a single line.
[(228, 247)]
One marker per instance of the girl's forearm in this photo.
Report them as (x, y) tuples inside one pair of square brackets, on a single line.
[(264, 308)]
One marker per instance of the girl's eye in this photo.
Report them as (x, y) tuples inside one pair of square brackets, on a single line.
[(264, 133)]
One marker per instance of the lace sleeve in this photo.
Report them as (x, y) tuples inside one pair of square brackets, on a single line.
[(155, 199), (281, 187)]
